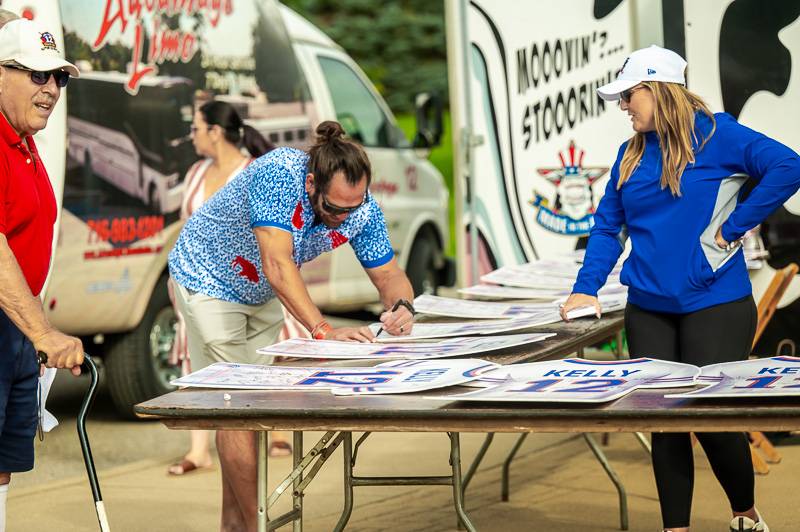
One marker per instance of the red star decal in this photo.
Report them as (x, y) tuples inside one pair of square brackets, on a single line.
[(297, 217), (337, 239)]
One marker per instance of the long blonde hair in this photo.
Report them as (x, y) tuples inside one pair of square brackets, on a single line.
[(674, 113)]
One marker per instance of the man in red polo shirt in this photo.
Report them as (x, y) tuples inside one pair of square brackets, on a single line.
[(32, 73)]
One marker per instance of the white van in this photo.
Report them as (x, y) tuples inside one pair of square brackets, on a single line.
[(128, 148)]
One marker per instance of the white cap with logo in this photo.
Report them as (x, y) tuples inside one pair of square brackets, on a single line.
[(25, 42), (648, 64)]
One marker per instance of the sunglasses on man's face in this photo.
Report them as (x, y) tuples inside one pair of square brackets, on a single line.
[(41, 78), (335, 210)]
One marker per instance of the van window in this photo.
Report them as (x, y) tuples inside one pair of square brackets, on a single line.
[(356, 109)]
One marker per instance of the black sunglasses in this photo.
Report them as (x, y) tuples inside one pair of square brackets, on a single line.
[(336, 210), (41, 78), (625, 96)]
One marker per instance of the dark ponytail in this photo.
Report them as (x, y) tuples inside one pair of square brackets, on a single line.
[(254, 142), (333, 153), (235, 131)]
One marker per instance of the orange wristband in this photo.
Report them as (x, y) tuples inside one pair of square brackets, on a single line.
[(321, 330)]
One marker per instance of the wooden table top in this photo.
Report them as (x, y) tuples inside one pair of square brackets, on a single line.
[(642, 410)]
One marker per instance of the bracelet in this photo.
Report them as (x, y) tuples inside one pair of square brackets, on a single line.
[(321, 330)]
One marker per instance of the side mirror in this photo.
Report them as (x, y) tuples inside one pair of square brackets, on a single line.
[(430, 111)]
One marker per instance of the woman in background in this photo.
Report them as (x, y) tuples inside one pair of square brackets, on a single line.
[(218, 135)]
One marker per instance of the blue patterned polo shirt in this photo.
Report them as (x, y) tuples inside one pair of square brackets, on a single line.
[(217, 252)]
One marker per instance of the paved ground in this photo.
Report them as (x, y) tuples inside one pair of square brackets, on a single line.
[(556, 485)]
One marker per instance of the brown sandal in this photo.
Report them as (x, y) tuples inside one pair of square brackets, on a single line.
[(187, 466)]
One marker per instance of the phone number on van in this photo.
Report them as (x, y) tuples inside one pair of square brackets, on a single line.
[(124, 230)]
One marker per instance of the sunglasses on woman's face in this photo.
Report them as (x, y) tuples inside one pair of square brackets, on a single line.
[(41, 78), (625, 96)]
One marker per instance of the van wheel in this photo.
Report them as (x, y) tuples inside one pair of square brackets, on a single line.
[(137, 363), (421, 267)]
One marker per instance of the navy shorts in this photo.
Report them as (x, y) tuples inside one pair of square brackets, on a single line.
[(19, 380)]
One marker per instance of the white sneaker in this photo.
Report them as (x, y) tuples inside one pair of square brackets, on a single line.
[(745, 524)]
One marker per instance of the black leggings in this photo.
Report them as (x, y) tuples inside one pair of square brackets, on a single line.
[(723, 333)]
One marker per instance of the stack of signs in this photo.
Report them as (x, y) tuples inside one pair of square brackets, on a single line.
[(545, 313), (514, 276), (332, 349), (577, 380), (465, 308), (544, 275), (422, 331), (493, 291), (390, 377), (763, 377)]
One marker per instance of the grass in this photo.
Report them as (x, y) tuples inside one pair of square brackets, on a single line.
[(442, 158)]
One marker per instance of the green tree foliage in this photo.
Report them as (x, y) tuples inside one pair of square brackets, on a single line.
[(113, 56), (400, 44)]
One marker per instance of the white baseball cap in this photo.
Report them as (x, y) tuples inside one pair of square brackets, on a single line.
[(648, 64), (30, 45)]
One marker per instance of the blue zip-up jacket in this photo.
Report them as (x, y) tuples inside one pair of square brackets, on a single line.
[(675, 265)]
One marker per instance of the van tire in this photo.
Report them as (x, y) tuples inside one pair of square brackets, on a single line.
[(421, 267), (135, 372)]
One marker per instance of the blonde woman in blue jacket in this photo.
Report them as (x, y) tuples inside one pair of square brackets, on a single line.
[(676, 190)]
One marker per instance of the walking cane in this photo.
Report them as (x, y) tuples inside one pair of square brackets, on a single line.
[(90, 367)]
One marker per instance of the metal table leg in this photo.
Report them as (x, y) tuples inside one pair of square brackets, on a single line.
[(297, 494), (623, 498), (644, 441), (507, 466), (299, 478), (347, 449), (263, 518), (477, 460), (458, 488)]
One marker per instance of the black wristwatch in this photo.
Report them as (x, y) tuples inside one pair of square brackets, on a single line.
[(403, 303)]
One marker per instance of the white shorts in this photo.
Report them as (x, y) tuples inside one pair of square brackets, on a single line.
[(220, 331)]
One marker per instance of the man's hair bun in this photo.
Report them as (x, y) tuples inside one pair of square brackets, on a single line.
[(328, 131)]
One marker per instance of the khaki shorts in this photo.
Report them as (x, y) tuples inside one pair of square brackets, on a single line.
[(220, 331)]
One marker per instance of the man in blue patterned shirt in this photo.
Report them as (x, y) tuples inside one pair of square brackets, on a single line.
[(239, 254)]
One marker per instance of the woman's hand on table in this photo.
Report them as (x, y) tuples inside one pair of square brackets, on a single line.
[(576, 301)]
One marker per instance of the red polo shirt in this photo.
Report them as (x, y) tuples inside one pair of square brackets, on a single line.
[(27, 205)]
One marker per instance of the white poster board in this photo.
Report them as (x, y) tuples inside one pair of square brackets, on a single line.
[(764, 377), (422, 331), (655, 373), (577, 380), (452, 347), (391, 377), (406, 376), (466, 308), (514, 276), (493, 291)]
